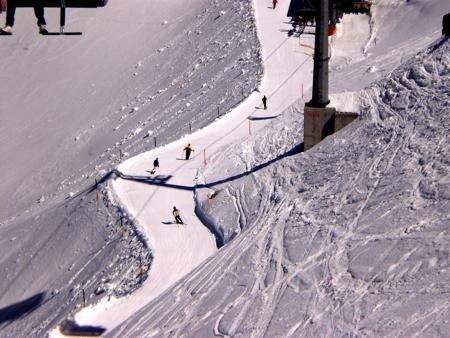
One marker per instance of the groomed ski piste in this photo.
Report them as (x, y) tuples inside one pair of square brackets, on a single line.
[(149, 199), (350, 237)]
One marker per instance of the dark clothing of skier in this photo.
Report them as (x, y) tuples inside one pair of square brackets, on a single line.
[(188, 149), (176, 215), (274, 3), (11, 11), (264, 100), (155, 164)]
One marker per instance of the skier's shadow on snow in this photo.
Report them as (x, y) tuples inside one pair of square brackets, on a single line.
[(163, 181), (20, 309)]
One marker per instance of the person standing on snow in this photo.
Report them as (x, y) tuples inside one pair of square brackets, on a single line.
[(155, 165), (11, 11), (264, 101), (176, 215), (188, 149), (274, 3)]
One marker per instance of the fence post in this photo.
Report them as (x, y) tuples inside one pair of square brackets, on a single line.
[(204, 156), (190, 128), (84, 298), (154, 139)]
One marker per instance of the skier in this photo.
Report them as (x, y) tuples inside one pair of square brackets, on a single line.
[(155, 166), (274, 3), (188, 149), (176, 214), (11, 11), (264, 100)]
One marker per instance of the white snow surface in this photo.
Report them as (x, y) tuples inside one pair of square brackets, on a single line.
[(178, 250), (350, 237)]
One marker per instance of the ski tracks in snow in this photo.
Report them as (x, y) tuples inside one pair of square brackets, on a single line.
[(397, 261), (363, 252)]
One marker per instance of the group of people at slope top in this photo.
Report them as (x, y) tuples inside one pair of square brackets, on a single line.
[(10, 7)]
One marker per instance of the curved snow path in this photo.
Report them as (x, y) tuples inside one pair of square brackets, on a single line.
[(179, 250)]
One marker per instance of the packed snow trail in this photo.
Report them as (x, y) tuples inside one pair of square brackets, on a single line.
[(179, 250)]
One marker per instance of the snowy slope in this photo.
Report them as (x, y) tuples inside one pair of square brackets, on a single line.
[(68, 106), (304, 261), (348, 238), (354, 234), (351, 237), (69, 103), (149, 198)]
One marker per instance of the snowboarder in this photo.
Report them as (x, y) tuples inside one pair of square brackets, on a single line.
[(155, 166), (10, 13), (274, 3), (176, 215), (264, 100), (188, 149)]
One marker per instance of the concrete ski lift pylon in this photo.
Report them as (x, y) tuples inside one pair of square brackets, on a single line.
[(62, 4)]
